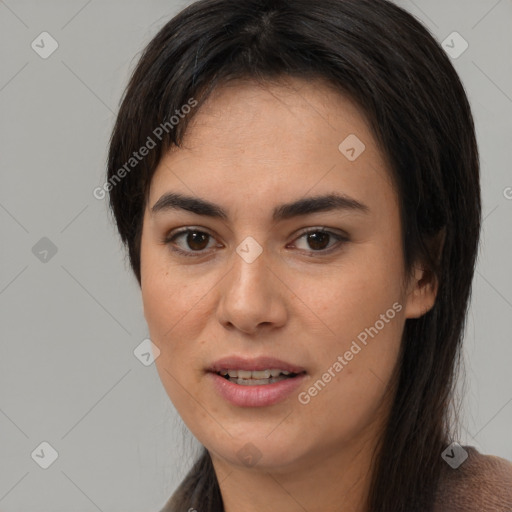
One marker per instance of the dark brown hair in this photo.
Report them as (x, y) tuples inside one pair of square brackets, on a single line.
[(391, 66)]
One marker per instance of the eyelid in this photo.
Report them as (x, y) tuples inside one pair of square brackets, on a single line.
[(323, 229)]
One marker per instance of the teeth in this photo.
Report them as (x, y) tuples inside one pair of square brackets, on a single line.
[(257, 382), (264, 374), (257, 375)]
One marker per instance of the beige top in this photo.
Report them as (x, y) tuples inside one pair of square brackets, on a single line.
[(482, 483)]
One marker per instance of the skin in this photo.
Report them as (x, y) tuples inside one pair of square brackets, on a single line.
[(248, 149)]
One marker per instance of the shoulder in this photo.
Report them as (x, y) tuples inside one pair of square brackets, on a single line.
[(481, 483)]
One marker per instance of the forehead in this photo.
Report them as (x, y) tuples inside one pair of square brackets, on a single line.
[(249, 141)]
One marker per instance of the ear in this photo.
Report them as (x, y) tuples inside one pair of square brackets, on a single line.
[(423, 284)]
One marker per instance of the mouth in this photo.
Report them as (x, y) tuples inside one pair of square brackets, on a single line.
[(255, 382)]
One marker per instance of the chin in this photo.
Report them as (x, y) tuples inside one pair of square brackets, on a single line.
[(260, 453)]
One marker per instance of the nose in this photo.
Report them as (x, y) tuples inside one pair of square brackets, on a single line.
[(252, 297)]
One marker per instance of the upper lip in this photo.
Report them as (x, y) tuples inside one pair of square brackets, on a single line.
[(257, 363)]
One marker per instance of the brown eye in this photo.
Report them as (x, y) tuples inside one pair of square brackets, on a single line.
[(320, 240), (196, 240), (189, 242)]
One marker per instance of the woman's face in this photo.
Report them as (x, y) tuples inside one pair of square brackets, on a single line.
[(255, 285)]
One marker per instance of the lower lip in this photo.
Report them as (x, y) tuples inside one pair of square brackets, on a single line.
[(255, 396)]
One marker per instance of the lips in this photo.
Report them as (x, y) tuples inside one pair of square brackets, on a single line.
[(251, 392), (254, 364)]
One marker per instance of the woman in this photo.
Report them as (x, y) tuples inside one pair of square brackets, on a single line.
[(297, 184)]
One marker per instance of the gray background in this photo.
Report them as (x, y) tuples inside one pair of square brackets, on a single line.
[(70, 324)]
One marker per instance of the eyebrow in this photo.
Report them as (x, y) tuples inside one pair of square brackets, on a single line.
[(304, 206)]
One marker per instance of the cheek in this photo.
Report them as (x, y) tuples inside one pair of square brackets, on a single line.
[(168, 293), (354, 294), (361, 309), (170, 308), (177, 306)]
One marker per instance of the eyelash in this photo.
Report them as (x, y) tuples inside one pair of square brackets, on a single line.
[(195, 254)]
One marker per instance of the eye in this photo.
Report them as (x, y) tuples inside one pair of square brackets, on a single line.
[(192, 238), (318, 239), (195, 242)]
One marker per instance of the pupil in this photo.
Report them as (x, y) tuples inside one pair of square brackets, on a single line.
[(196, 236), (315, 240)]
